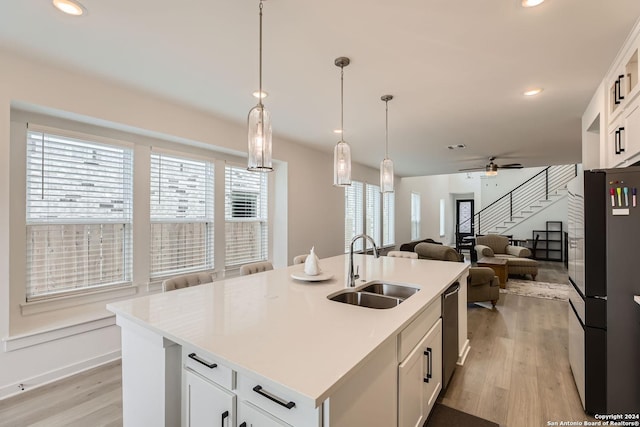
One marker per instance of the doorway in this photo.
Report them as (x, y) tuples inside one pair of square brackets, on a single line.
[(465, 225)]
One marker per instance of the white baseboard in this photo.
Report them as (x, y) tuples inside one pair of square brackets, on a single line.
[(57, 374), (464, 353)]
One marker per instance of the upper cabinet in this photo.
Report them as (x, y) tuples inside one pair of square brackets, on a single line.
[(623, 106), (623, 83)]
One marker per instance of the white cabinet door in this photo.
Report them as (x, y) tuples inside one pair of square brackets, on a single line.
[(208, 404), (433, 378), (420, 379), (251, 416), (631, 137)]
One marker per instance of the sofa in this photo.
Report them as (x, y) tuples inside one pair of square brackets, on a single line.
[(410, 247), (482, 282), (496, 246)]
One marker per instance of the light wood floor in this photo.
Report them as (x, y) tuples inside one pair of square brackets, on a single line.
[(517, 373), (90, 399)]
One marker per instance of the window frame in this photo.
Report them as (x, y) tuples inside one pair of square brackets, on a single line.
[(207, 218), (261, 218), (83, 220), (361, 190), (416, 215)]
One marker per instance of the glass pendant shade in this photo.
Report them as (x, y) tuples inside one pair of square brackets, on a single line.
[(386, 176), (342, 164), (259, 138)]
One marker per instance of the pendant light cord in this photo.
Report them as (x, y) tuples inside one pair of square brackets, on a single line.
[(342, 103), (260, 60), (386, 143)]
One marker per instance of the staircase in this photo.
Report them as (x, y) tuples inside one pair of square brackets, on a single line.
[(537, 193)]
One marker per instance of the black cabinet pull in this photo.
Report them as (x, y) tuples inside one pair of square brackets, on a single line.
[(202, 361), (617, 141), (427, 353), (225, 414), (620, 96), (620, 147), (429, 373), (258, 389), (616, 89)]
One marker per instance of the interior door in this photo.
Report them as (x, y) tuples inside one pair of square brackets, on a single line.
[(464, 216)]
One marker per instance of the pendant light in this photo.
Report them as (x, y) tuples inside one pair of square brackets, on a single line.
[(386, 166), (259, 127), (342, 151)]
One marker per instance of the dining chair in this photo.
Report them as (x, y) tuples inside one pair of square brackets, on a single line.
[(300, 259), (402, 254), (256, 267)]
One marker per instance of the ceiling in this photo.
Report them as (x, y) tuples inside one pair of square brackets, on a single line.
[(457, 69)]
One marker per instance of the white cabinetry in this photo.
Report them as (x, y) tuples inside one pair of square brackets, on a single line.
[(252, 416), (623, 102), (623, 141), (207, 394), (207, 402), (420, 379)]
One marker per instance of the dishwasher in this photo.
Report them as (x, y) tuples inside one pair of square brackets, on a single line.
[(449, 332)]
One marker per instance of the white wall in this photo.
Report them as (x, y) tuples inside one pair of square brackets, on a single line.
[(484, 190), (431, 190), (494, 187), (80, 337), (594, 131)]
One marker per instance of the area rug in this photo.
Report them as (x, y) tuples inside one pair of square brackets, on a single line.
[(444, 416), (530, 288)]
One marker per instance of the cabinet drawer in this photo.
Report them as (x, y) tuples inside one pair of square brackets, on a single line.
[(277, 400), (208, 367), (413, 333)]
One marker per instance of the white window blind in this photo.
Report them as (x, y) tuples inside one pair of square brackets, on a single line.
[(79, 215), (181, 215), (388, 219), (353, 214), (373, 212), (415, 216), (246, 222)]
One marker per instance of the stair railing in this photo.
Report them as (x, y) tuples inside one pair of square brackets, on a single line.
[(520, 199)]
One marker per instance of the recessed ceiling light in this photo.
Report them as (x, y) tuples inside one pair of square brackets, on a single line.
[(531, 3), (337, 131), (532, 92), (258, 94), (69, 7)]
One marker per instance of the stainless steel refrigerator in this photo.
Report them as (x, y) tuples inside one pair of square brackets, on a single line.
[(604, 269)]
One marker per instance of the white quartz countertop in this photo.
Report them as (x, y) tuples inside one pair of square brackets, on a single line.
[(286, 330)]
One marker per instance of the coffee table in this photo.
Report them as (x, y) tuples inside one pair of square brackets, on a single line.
[(499, 266)]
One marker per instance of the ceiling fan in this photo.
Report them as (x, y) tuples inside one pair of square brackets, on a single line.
[(492, 168)]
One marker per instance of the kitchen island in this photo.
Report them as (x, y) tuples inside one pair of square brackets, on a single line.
[(284, 354)]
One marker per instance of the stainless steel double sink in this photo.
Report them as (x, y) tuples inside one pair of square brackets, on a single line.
[(376, 294)]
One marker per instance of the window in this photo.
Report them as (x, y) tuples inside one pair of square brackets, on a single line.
[(442, 224), (388, 219), (373, 214), (353, 214), (246, 226), (367, 210), (78, 215), (181, 207), (415, 216)]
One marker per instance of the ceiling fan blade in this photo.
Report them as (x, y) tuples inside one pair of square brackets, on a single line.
[(511, 166), (471, 169)]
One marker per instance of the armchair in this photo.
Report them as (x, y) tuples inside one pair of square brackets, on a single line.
[(482, 282), (496, 246)]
